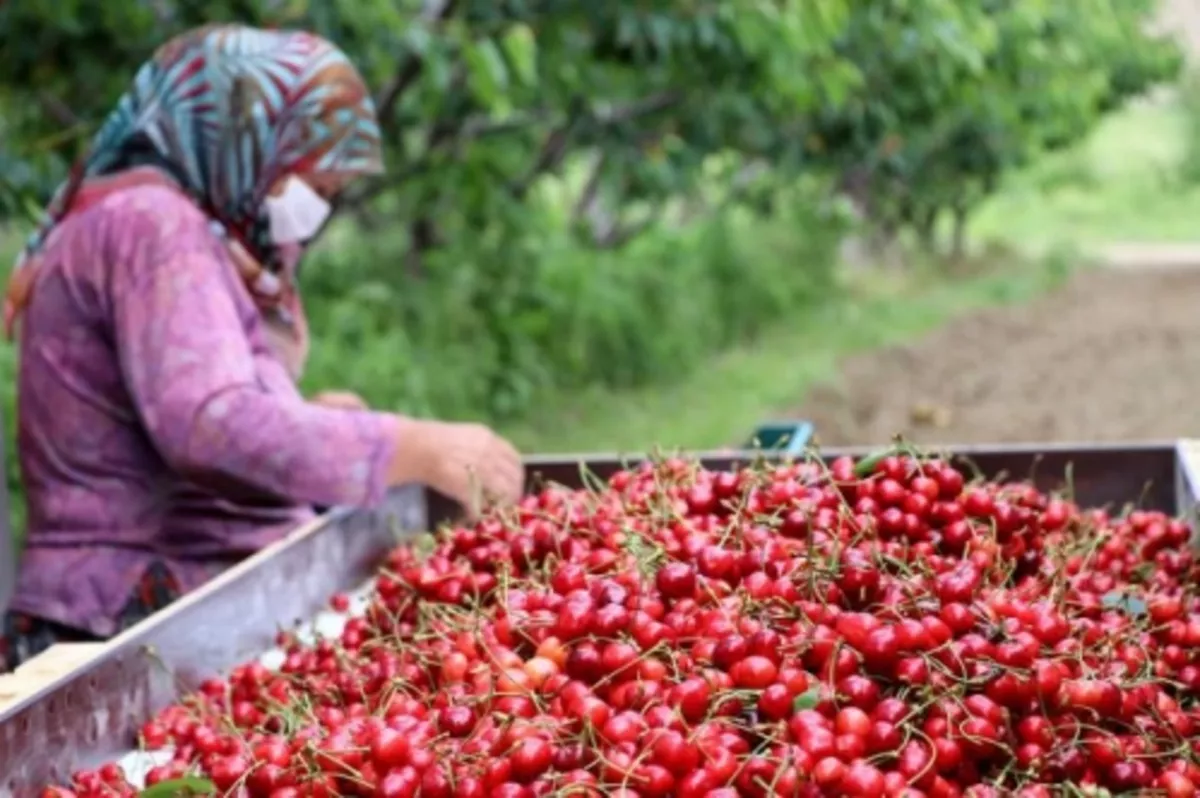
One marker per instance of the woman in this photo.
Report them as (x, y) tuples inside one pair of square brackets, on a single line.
[(146, 374)]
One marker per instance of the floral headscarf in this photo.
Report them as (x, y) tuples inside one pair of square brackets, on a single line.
[(226, 110)]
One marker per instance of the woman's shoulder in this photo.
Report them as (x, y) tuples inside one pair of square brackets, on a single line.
[(125, 224), (158, 210), (136, 228)]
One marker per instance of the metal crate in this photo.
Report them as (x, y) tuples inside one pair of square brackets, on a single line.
[(93, 714)]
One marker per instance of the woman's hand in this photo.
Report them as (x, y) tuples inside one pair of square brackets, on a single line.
[(339, 400), (468, 463)]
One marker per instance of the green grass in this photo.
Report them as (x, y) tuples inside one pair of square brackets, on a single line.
[(722, 404), (1126, 184)]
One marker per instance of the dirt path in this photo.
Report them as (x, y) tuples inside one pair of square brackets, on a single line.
[(1113, 355)]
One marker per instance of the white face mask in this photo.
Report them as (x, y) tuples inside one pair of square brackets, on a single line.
[(297, 214)]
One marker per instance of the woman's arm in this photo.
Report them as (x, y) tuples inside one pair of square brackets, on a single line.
[(178, 314), (290, 343)]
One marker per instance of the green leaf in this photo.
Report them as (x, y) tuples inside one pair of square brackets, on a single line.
[(521, 48), (180, 788), (660, 30), (866, 466), (807, 700), (488, 74), (628, 28)]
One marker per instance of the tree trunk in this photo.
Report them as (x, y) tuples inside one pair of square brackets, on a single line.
[(958, 240), (422, 238), (926, 229)]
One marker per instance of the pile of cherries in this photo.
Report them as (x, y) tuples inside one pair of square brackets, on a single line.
[(882, 628)]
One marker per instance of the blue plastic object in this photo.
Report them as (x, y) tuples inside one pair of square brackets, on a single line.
[(789, 438)]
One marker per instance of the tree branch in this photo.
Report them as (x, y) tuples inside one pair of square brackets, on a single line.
[(475, 128), (554, 147), (638, 108), (410, 68), (620, 234), (57, 110), (587, 197)]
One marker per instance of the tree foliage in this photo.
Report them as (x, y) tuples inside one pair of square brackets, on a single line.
[(917, 106)]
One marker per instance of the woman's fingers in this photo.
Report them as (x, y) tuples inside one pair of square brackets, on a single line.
[(502, 481), (509, 469), (507, 486), (476, 467)]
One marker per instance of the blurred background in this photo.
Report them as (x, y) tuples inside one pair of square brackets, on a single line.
[(616, 225)]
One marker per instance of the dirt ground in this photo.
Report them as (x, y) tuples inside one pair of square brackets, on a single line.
[(1113, 355)]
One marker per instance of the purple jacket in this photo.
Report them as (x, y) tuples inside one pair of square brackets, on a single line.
[(145, 383)]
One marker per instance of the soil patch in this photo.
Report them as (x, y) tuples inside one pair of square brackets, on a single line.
[(1109, 356)]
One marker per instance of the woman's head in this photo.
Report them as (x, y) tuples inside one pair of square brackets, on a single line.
[(264, 129), (243, 116)]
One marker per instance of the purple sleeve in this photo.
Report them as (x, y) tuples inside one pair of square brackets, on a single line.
[(178, 312)]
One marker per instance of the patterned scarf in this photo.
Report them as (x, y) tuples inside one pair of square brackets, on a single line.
[(226, 111)]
